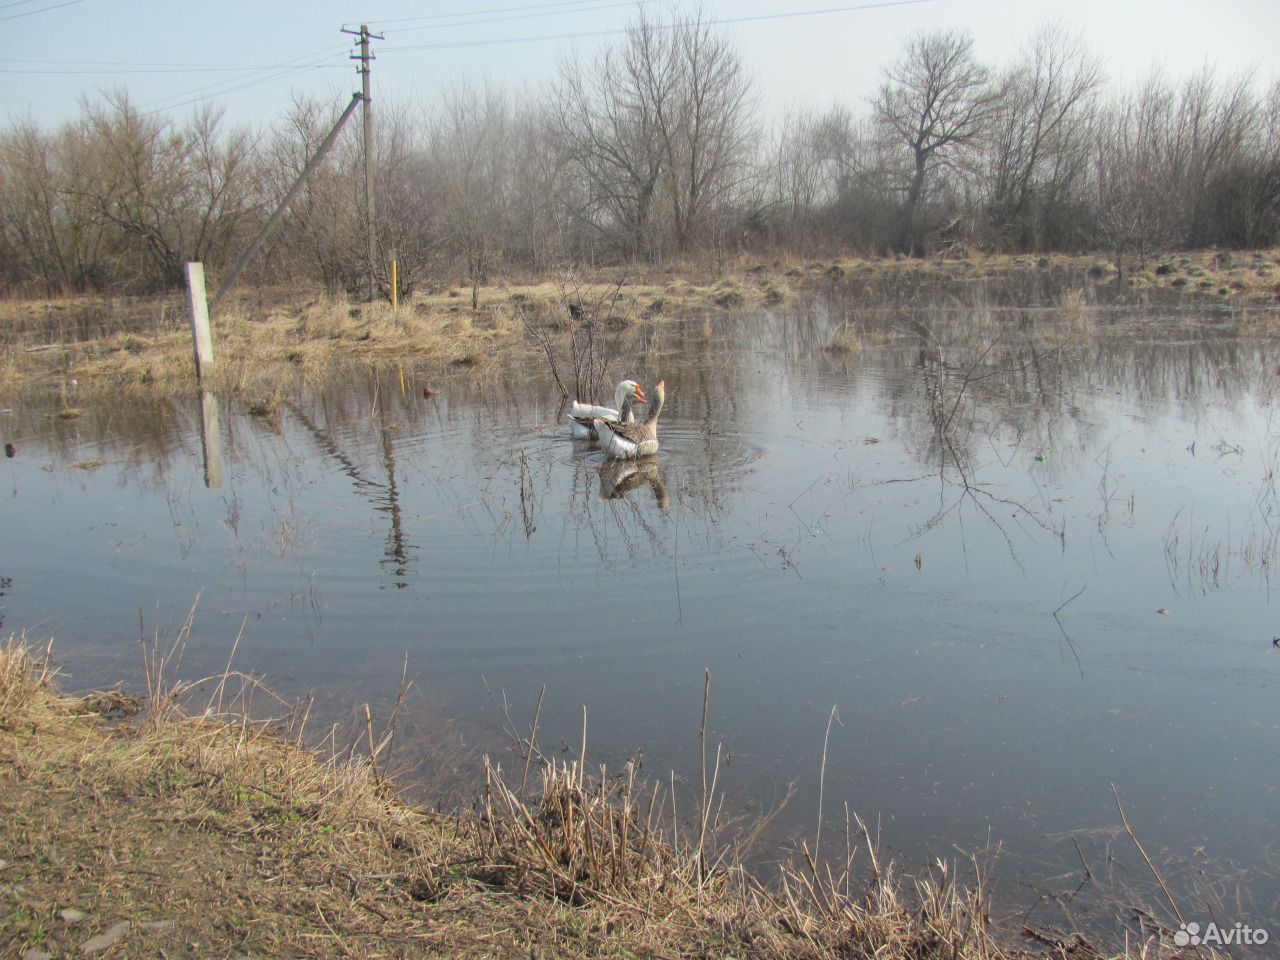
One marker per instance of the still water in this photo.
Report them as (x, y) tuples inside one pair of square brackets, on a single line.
[(1023, 555)]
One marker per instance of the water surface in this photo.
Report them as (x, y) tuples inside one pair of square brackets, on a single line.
[(1023, 554)]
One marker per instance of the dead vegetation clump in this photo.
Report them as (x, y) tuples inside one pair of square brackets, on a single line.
[(845, 339), (186, 830)]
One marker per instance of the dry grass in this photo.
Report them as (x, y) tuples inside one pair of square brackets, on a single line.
[(265, 341), (189, 830), (280, 339), (1074, 301), (845, 339), (265, 338)]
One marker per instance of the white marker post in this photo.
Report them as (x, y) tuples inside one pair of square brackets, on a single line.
[(200, 333)]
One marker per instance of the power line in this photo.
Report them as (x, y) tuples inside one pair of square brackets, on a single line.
[(163, 106), (219, 88), (167, 69), (476, 13), (457, 44), (878, 4), (579, 6), (32, 13), (131, 66), (155, 65)]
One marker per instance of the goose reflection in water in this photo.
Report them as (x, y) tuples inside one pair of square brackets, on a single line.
[(619, 477)]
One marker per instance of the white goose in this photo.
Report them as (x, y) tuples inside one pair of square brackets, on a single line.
[(626, 441), (582, 415)]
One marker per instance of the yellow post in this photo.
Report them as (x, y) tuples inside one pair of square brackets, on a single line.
[(395, 285)]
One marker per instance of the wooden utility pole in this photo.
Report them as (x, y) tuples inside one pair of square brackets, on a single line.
[(366, 58), (274, 219)]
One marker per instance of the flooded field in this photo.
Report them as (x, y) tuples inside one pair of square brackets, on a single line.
[(1020, 556)]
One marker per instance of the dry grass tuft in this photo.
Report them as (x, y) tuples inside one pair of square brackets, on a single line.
[(1074, 301), (845, 339)]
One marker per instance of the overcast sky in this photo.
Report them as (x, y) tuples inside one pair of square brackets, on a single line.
[(251, 57)]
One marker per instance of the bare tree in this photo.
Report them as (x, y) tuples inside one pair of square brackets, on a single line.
[(409, 205), (606, 117), (320, 233), (661, 118), (540, 191), (47, 228), (824, 180), (223, 195), (1261, 225), (798, 180), (936, 102), (703, 126), (121, 200), (1213, 130), (1137, 212), (471, 156), (170, 193), (1040, 137)]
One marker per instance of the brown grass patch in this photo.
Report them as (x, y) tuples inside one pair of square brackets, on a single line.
[(294, 336), (845, 339)]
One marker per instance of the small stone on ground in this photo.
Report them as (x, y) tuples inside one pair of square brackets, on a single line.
[(105, 940)]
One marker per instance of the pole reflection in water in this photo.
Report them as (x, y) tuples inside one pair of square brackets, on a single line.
[(211, 439)]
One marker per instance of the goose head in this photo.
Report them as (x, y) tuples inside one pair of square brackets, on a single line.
[(627, 388), (659, 397)]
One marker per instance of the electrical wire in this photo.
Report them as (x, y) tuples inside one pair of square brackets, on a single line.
[(582, 6), (459, 44), (476, 13), (166, 107), (164, 69), (219, 88), (32, 13)]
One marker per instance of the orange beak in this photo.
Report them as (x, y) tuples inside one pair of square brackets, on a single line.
[(639, 394)]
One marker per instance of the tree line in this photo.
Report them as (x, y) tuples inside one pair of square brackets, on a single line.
[(650, 150)]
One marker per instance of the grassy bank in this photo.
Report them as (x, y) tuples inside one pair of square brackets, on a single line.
[(136, 828), (266, 338)]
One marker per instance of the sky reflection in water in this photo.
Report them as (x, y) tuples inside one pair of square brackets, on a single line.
[(888, 531)]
